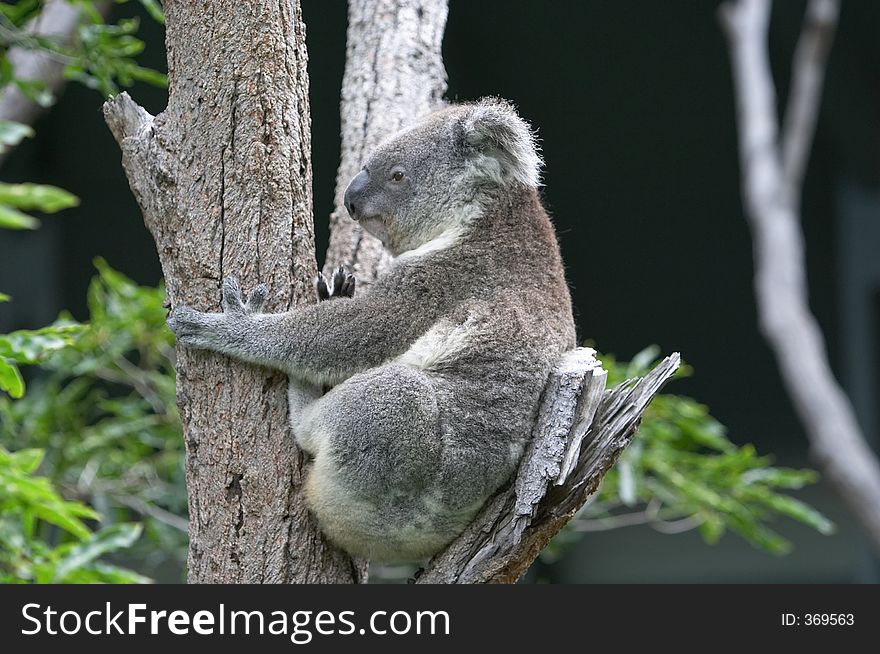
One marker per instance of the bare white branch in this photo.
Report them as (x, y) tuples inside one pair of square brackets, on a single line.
[(808, 76), (393, 74), (771, 207)]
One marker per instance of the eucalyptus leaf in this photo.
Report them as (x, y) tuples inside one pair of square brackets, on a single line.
[(12, 133), (14, 219), (95, 545), (10, 378), (40, 197)]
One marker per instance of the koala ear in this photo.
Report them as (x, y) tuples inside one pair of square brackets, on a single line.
[(501, 145)]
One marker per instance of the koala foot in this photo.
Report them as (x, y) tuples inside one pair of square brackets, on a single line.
[(415, 577), (341, 284)]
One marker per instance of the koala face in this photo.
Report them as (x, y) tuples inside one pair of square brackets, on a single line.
[(433, 176)]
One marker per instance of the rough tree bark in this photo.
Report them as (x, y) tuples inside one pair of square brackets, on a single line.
[(772, 169), (223, 177)]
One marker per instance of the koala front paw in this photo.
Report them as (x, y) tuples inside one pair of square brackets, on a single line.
[(341, 284), (193, 328), (215, 331)]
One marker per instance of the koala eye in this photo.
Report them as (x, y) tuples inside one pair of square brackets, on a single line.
[(397, 176)]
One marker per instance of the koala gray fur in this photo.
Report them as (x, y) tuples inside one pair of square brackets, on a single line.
[(437, 371)]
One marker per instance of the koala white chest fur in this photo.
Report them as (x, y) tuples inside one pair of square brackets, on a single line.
[(437, 371)]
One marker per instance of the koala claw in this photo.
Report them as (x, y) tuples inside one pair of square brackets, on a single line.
[(257, 298), (232, 302), (341, 284)]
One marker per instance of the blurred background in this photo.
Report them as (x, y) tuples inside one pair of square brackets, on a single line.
[(633, 103)]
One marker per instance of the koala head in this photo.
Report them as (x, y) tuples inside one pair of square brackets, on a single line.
[(439, 173)]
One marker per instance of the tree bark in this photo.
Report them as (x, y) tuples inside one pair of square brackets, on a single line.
[(772, 169), (393, 74), (223, 177)]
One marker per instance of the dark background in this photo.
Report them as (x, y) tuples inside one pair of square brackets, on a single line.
[(634, 108)]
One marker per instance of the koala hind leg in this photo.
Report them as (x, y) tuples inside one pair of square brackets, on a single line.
[(301, 397), (376, 479)]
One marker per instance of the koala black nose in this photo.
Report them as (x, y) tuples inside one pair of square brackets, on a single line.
[(354, 192)]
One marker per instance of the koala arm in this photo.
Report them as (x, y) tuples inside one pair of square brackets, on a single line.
[(319, 343)]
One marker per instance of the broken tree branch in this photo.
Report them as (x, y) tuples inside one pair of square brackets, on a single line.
[(772, 171), (579, 434)]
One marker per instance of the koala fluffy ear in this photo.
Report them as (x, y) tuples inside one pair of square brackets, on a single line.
[(501, 145)]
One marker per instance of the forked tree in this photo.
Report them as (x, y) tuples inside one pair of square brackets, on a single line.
[(223, 178)]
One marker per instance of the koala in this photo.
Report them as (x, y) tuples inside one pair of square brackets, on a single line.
[(436, 372)]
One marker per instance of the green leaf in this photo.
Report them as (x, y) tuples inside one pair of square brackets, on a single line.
[(19, 12), (642, 361), (30, 346), (106, 540), (10, 379), (36, 91), (41, 197), (27, 460), (61, 517), (104, 573), (781, 477), (12, 133), (798, 510), (6, 71), (149, 76), (13, 219), (712, 529), (155, 10)]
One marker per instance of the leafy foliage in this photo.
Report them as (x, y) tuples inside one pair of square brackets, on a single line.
[(98, 54), (43, 537), (15, 197), (105, 413), (28, 346), (29, 505), (682, 472)]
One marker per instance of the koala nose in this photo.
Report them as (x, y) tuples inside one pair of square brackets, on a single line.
[(354, 191)]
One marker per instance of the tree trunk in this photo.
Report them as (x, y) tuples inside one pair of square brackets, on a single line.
[(223, 178), (393, 73)]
